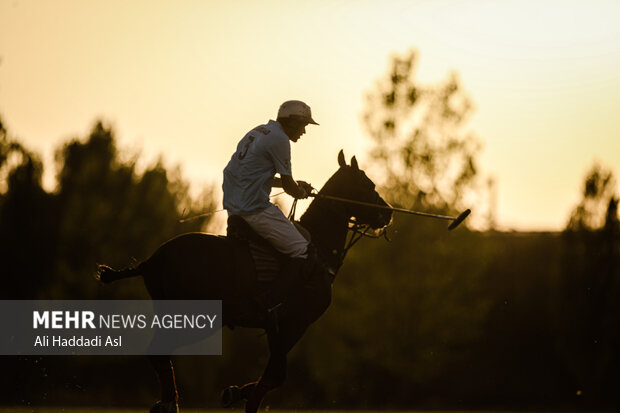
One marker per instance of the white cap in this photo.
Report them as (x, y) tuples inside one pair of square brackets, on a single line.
[(296, 108)]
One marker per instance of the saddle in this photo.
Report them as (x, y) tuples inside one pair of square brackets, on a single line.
[(267, 261), (257, 261)]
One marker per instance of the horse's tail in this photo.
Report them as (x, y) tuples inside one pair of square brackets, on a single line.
[(107, 274)]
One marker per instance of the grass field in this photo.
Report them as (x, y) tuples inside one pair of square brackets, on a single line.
[(20, 409), (96, 410), (237, 410), (183, 410), (6, 409)]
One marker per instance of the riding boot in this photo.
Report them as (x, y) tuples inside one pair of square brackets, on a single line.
[(290, 277)]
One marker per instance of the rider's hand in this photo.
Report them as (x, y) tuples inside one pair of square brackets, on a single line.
[(306, 187), (303, 194)]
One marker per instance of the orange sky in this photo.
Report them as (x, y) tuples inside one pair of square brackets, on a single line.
[(188, 78)]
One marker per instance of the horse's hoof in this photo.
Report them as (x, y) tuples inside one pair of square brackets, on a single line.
[(165, 407), (230, 396)]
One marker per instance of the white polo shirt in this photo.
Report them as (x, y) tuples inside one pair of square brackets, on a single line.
[(248, 177)]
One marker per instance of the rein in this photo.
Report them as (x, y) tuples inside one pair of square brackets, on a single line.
[(207, 214), (357, 231)]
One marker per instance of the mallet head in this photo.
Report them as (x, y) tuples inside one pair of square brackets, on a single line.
[(457, 221)]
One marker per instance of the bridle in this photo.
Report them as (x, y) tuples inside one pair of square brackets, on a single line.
[(355, 230)]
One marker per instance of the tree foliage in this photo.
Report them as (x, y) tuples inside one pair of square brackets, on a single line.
[(27, 225), (102, 210), (421, 144), (590, 286), (598, 207)]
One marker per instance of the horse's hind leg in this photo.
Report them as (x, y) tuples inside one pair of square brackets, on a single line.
[(169, 395), (280, 344)]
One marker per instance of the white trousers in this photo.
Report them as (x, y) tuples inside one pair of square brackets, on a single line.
[(272, 225)]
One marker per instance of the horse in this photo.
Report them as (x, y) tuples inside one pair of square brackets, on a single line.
[(201, 266)]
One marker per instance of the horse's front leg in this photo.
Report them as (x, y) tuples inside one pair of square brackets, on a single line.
[(280, 343), (169, 402)]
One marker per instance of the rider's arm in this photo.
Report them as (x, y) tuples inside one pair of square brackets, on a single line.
[(290, 186)]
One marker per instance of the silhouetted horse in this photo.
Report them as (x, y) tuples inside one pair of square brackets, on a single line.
[(205, 267)]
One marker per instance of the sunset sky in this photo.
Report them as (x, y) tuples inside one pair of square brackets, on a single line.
[(187, 79)]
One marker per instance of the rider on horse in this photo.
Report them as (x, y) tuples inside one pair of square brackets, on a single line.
[(248, 179)]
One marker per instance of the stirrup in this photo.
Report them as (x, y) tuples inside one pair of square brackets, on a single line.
[(231, 395)]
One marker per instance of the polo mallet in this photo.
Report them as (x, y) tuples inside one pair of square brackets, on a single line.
[(456, 221)]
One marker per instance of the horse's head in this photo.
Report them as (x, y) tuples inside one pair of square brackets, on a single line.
[(351, 183)]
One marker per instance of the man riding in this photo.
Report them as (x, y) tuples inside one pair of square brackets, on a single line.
[(248, 178)]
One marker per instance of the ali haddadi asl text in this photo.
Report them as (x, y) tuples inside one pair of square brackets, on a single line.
[(74, 341)]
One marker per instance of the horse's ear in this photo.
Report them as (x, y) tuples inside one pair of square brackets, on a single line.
[(354, 164), (341, 160)]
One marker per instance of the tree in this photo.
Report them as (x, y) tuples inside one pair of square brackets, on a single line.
[(109, 212), (590, 288), (27, 226), (598, 207), (423, 291), (102, 211), (421, 143)]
